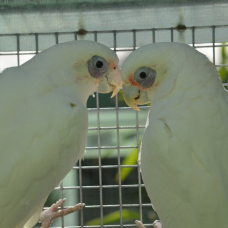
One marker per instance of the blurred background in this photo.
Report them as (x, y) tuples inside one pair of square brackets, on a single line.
[(108, 179)]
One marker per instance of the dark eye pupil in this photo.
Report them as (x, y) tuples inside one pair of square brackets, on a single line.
[(99, 64), (142, 75)]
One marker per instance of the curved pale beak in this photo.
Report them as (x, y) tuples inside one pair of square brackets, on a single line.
[(111, 83), (116, 82), (129, 94)]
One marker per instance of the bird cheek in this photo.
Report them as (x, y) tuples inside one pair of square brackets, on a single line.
[(97, 81), (134, 83), (112, 65), (78, 79)]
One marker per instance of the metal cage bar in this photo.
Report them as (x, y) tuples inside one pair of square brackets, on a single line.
[(136, 126)]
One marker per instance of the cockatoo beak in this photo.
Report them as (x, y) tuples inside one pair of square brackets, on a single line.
[(129, 94), (116, 82), (111, 82)]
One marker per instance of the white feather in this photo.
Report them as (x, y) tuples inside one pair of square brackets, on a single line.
[(184, 156), (44, 124)]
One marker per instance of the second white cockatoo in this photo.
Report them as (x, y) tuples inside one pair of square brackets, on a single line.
[(184, 151), (44, 122)]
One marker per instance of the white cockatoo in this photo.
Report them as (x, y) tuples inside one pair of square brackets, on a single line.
[(44, 122), (184, 151)]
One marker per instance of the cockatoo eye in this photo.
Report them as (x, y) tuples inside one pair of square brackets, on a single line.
[(142, 75), (145, 76), (97, 66)]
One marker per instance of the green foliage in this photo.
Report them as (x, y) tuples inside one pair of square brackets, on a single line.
[(223, 71), (131, 159), (115, 217), (106, 101)]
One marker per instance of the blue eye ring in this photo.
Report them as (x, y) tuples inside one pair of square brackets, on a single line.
[(145, 76), (97, 66)]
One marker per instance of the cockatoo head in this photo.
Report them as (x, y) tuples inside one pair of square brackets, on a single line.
[(87, 65), (99, 64), (144, 70)]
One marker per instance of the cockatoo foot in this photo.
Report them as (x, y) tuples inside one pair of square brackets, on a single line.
[(156, 224), (49, 215), (139, 224)]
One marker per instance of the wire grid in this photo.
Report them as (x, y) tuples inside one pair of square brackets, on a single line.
[(136, 126)]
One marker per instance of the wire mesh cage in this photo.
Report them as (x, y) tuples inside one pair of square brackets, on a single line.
[(108, 179)]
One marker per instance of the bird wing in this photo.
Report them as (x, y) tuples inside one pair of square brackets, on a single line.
[(184, 162), (35, 214), (42, 135)]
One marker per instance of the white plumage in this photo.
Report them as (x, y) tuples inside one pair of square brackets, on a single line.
[(184, 153), (44, 123)]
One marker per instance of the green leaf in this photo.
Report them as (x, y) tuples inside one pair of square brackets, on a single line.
[(223, 54), (131, 159), (115, 217), (223, 70), (223, 73)]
